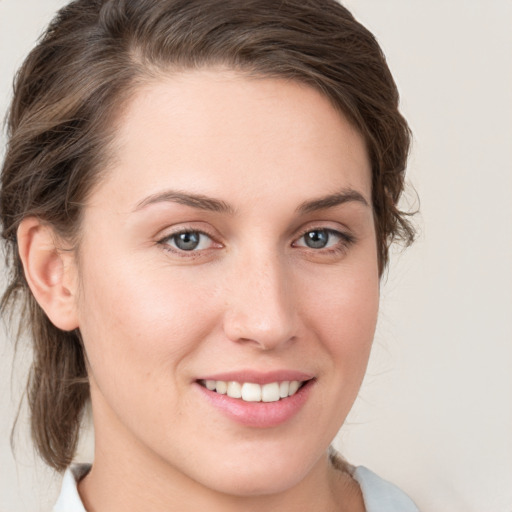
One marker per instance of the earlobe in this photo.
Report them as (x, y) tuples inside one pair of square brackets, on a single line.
[(50, 272)]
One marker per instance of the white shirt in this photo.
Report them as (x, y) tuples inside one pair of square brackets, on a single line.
[(378, 495)]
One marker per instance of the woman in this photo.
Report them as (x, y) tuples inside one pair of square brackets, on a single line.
[(198, 199)]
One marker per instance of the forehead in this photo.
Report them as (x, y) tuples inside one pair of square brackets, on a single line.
[(211, 130)]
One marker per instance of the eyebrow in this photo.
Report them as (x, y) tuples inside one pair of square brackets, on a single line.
[(322, 203), (203, 202), (199, 201)]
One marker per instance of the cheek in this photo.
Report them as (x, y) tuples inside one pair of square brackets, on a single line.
[(344, 315), (137, 323)]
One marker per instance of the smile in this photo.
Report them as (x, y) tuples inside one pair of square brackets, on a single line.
[(252, 392)]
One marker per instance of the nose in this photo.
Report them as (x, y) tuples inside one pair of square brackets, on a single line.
[(261, 307)]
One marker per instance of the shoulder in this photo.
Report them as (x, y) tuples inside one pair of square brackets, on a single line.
[(380, 495), (69, 499)]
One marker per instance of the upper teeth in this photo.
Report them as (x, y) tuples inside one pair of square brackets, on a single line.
[(251, 392)]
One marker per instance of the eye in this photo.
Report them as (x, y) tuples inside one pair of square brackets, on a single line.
[(188, 241), (322, 239)]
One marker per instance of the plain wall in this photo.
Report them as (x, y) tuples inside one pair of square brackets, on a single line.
[(435, 412)]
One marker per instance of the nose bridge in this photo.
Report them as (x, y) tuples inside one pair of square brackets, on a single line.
[(261, 308)]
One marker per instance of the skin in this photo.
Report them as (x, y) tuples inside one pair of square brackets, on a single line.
[(253, 296)]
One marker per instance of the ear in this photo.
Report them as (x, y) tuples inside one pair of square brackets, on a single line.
[(50, 272)]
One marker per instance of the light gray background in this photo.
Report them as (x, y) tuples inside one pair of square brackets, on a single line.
[(435, 412)]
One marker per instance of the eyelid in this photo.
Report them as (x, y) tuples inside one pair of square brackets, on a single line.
[(342, 231), (346, 238), (163, 241)]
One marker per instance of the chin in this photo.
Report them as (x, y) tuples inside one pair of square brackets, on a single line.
[(259, 476), (251, 483)]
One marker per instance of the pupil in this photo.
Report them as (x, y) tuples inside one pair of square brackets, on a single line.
[(187, 241), (317, 239)]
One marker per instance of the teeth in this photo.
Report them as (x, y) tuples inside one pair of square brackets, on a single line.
[(294, 386), (234, 390), (251, 392), (221, 387), (284, 388), (270, 392)]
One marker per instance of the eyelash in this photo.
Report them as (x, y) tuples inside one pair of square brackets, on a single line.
[(182, 252), (346, 240), (341, 247)]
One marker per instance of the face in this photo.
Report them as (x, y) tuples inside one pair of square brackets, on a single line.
[(230, 250)]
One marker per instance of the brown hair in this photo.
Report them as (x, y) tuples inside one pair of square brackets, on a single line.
[(74, 82)]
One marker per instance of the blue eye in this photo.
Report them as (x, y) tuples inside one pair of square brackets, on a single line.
[(188, 241), (317, 239), (321, 239)]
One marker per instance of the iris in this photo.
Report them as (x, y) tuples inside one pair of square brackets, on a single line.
[(316, 239)]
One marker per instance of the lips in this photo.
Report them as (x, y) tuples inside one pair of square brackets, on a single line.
[(260, 400)]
